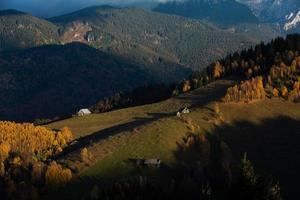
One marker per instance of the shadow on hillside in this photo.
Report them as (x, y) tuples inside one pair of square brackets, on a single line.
[(93, 75), (272, 146), (209, 93), (111, 131)]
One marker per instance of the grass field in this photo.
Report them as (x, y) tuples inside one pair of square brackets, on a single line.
[(267, 130)]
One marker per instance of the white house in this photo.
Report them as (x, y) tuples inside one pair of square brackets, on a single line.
[(185, 111), (83, 112), (152, 162)]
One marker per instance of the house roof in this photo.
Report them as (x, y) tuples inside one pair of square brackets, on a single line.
[(85, 111)]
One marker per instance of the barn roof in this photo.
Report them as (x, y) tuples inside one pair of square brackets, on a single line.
[(85, 111)]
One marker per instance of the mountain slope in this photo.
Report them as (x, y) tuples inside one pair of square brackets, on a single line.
[(154, 131), (156, 48), (152, 38), (293, 22), (272, 10), (257, 126), (21, 30), (50, 81), (281, 12), (222, 12)]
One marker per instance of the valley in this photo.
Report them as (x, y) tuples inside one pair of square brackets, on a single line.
[(157, 48)]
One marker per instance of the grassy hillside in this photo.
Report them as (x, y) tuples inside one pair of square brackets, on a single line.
[(57, 80), (154, 131), (21, 30)]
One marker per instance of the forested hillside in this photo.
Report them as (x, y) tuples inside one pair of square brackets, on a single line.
[(153, 38), (273, 68), (21, 30), (56, 80), (156, 48), (268, 70)]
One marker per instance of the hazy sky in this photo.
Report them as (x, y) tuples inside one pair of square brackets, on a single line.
[(48, 8)]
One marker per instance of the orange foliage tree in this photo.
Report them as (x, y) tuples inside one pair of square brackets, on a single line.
[(246, 91), (57, 176), (23, 151)]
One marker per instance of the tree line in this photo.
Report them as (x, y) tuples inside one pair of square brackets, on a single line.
[(275, 67)]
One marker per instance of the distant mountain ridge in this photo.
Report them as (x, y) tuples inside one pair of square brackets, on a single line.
[(222, 12), (153, 39), (284, 12)]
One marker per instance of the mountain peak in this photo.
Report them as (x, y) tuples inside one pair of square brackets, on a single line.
[(293, 21)]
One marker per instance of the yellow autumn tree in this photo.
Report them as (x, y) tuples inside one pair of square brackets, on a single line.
[(38, 172), (295, 93), (216, 108), (29, 139), (217, 70), (2, 169), (284, 91), (56, 176), (186, 86), (85, 155), (4, 151), (23, 150), (275, 92), (247, 91)]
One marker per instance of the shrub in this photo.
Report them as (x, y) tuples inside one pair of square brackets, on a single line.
[(275, 92), (216, 108), (85, 155), (284, 91), (4, 151)]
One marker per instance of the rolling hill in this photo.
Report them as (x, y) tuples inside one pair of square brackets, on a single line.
[(154, 131)]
